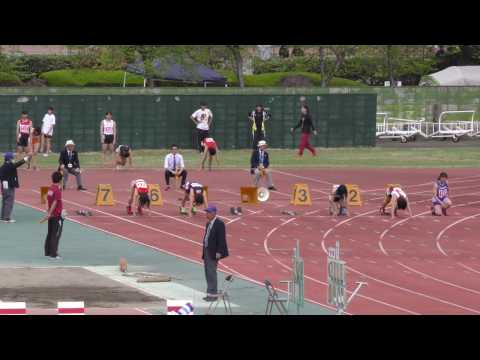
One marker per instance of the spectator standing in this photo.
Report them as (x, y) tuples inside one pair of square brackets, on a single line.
[(9, 182), (48, 123), (108, 135), (24, 135), (202, 118), (70, 164), (54, 217), (214, 249), (258, 118), (259, 165), (174, 167), (306, 123)]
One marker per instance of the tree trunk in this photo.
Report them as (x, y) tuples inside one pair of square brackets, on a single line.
[(321, 53), (390, 65), (238, 64)]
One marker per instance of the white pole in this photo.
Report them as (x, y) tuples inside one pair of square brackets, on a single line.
[(124, 79)]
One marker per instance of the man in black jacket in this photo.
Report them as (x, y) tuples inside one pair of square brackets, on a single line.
[(9, 182), (259, 164), (70, 164), (214, 249)]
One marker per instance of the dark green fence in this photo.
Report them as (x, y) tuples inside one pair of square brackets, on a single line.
[(155, 121)]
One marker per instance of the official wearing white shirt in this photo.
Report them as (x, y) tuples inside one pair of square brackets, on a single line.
[(202, 118), (174, 166), (48, 123)]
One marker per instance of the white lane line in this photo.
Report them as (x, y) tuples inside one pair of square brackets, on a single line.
[(440, 234), (438, 280), (433, 298), (468, 268)]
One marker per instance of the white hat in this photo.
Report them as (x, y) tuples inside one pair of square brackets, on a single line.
[(69, 142), (262, 143)]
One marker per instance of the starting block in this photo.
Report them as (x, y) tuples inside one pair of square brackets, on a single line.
[(13, 308), (43, 194), (236, 211), (354, 197), (71, 308), (155, 193), (301, 195), (248, 195), (104, 195)]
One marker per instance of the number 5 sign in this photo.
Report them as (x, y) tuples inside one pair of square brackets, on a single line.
[(354, 197), (155, 195)]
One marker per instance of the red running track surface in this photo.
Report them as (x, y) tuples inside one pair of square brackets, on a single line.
[(418, 265)]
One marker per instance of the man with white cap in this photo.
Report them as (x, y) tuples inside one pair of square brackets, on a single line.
[(70, 164), (259, 164), (8, 184)]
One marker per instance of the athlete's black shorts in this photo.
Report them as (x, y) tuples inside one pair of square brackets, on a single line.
[(108, 139), (212, 151), (23, 141)]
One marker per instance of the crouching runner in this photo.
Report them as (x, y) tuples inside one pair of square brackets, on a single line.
[(195, 194), (123, 153), (338, 201), (396, 199), (440, 201), (139, 197)]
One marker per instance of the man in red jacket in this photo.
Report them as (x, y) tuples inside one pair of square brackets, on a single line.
[(54, 216)]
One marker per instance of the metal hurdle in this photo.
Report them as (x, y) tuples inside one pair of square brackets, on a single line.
[(452, 129)]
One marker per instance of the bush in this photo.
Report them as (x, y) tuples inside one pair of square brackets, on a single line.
[(8, 79), (296, 63), (279, 78), (30, 66), (86, 77)]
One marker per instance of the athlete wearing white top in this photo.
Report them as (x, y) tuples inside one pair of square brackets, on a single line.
[(139, 197), (196, 194), (202, 118), (108, 135), (48, 124), (397, 199)]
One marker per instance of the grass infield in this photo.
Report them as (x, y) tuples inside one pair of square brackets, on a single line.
[(344, 157)]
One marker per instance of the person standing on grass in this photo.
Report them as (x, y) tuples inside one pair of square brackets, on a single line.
[(214, 249), (258, 118), (48, 123), (24, 135), (70, 164), (306, 123), (54, 217), (108, 135), (36, 142), (174, 167), (259, 165), (9, 182), (202, 118)]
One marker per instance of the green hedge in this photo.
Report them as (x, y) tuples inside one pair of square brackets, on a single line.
[(88, 77), (275, 79), (8, 79)]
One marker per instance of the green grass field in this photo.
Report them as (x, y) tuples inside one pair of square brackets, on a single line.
[(345, 157)]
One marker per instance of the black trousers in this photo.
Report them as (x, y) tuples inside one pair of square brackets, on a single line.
[(169, 175), (55, 227), (257, 136), (202, 135), (210, 273)]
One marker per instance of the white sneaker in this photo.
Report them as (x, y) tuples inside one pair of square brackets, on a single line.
[(11, 221), (57, 258), (45, 155)]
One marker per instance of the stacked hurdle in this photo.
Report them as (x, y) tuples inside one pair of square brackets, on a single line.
[(63, 308)]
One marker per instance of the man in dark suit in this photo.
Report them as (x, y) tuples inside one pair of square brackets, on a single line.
[(259, 164), (214, 249), (8, 184), (70, 164)]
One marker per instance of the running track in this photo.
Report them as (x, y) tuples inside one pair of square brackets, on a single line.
[(418, 265)]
